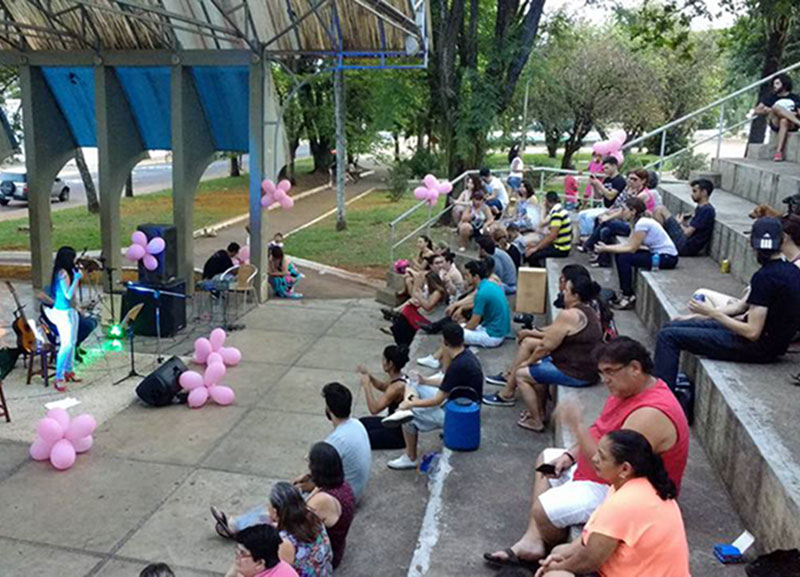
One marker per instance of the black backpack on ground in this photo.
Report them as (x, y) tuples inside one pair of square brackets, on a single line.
[(780, 563), (685, 393)]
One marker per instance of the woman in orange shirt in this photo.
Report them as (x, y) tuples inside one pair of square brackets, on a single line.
[(638, 530)]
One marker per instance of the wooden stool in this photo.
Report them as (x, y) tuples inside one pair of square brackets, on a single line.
[(43, 351), (4, 405)]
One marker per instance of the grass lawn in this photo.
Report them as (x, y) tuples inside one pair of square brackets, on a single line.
[(499, 160), (363, 247)]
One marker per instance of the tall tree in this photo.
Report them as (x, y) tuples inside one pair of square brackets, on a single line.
[(92, 203)]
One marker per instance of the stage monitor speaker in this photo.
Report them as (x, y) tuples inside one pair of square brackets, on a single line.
[(173, 309), (161, 387), (167, 268)]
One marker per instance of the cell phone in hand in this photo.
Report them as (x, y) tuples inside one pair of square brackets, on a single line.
[(546, 469)]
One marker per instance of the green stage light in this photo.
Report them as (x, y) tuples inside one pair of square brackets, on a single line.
[(115, 331), (116, 345)]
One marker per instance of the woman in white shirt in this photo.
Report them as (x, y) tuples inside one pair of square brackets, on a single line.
[(460, 204), (515, 169), (648, 238)]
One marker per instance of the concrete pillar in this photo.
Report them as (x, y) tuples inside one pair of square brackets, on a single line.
[(119, 149), (258, 220), (48, 146), (192, 152), (341, 148)]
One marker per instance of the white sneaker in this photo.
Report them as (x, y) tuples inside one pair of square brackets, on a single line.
[(402, 462), (429, 361), (439, 375), (397, 418)]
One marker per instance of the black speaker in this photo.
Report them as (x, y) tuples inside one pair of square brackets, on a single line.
[(173, 309), (161, 387), (167, 259)]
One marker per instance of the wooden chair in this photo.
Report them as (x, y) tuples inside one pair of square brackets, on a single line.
[(3, 405), (245, 275), (46, 349)]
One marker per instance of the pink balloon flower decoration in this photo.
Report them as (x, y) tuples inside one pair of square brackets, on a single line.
[(59, 439), (145, 251), (210, 350), (431, 188), (243, 256), (206, 386), (272, 193), (612, 146)]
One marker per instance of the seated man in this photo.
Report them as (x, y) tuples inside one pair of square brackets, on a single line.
[(490, 322), (220, 261), (781, 108), (503, 265), (422, 410), (496, 193), (692, 238), (452, 277), (558, 241), (571, 490), (772, 314)]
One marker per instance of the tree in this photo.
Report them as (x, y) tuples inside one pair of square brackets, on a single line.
[(92, 203)]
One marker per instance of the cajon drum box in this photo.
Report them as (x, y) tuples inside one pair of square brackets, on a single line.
[(532, 290)]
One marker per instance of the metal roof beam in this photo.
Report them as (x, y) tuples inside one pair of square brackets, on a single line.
[(234, 57), (296, 22), (391, 15)]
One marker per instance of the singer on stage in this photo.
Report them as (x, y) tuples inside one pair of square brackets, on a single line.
[(63, 314)]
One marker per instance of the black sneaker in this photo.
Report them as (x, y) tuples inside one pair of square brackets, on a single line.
[(495, 400), (498, 379)]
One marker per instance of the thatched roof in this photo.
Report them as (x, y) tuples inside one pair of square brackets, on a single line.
[(280, 26)]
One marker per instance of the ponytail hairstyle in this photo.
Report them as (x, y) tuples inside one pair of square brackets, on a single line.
[(294, 515), (276, 253), (428, 242), (435, 283), (397, 355), (628, 446), (637, 205), (585, 288)]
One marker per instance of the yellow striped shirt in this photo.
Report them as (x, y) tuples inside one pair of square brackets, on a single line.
[(559, 218)]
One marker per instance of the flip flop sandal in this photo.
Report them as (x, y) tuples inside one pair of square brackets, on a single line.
[(222, 527), (223, 531), (522, 425), (511, 559)]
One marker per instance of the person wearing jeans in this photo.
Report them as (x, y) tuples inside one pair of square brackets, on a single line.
[(647, 234), (607, 233)]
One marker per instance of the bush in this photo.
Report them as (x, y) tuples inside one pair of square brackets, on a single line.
[(423, 162), (687, 162), (399, 175)]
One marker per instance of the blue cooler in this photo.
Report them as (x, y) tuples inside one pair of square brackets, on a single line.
[(462, 420)]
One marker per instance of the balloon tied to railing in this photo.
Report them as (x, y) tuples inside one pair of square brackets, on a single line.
[(431, 188), (612, 146)]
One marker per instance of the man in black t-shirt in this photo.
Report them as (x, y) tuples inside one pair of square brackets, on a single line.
[(690, 239), (611, 185), (220, 261), (781, 107), (423, 407), (771, 314)]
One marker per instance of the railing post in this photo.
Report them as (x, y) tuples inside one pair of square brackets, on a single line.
[(430, 215), (541, 181), (391, 245), (661, 153), (720, 128)]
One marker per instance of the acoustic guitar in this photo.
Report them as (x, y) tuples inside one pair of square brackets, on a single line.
[(26, 338)]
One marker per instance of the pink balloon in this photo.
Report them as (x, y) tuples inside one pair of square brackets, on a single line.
[(40, 450), (430, 181), (63, 455), (83, 444), (60, 415), (215, 358), (81, 426), (217, 338), (420, 193), (618, 137), (431, 201), (268, 200), (150, 262), (139, 238), (284, 185), (214, 374), (604, 147), (202, 348), (231, 356), (280, 195), (433, 194), (190, 380), (619, 156), (198, 397), (286, 202), (156, 246), (444, 187), (135, 252), (50, 431), (267, 187), (222, 395)]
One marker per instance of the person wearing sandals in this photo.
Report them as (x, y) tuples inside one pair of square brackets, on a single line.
[(281, 279), (648, 238), (305, 543), (563, 356), (393, 362), (64, 315), (638, 529), (258, 554), (569, 492)]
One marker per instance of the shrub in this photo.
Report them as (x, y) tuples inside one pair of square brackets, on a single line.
[(424, 162), (687, 162), (399, 175)]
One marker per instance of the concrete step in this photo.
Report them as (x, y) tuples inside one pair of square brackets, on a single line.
[(759, 181), (765, 151), (387, 296), (731, 239), (746, 415)]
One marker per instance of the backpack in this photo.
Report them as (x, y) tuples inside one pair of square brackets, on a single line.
[(780, 563)]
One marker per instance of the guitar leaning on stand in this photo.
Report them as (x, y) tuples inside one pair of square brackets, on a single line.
[(27, 343)]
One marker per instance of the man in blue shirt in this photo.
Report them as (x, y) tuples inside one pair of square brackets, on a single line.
[(690, 239), (490, 322), (503, 265)]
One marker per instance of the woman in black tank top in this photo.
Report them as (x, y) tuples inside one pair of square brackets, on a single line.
[(392, 390)]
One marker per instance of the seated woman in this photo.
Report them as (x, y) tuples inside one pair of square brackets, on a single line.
[(564, 355), (281, 279), (460, 204), (409, 320), (418, 266), (648, 238), (528, 213), (394, 360), (476, 217), (306, 545), (638, 529)]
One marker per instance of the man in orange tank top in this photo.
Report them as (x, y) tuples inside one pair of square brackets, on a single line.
[(569, 495)]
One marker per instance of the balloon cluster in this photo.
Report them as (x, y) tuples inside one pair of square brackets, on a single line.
[(612, 146), (145, 251), (272, 193), (210, 350), (431, 188), (205, 386), (242, 256), (59, 439)]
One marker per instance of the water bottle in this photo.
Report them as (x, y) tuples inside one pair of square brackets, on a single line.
[(699, 297), (429, 464), (656, 262)]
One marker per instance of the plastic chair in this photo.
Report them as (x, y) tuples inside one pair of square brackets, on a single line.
[(244, 281)]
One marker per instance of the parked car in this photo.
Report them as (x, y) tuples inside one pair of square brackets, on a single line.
[(14, 186)]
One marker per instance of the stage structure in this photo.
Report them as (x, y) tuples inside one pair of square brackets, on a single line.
[(190, 76)]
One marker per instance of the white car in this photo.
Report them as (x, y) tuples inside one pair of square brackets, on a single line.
[(14, 186)]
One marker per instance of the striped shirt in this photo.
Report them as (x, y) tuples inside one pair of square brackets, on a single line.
[(559, 218)]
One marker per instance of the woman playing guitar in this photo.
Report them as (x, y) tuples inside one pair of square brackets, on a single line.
[(63, 314)]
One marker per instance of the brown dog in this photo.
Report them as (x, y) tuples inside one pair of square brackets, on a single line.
[(765, 210)]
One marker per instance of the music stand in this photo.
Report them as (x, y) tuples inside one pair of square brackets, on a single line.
[(127, 324), (157, 297)]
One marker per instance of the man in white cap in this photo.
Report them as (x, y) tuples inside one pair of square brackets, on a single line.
[(756, 330)]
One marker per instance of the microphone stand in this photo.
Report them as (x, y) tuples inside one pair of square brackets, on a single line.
[(157, 293)]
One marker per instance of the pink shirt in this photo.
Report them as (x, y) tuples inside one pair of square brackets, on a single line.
[(282, 569)]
